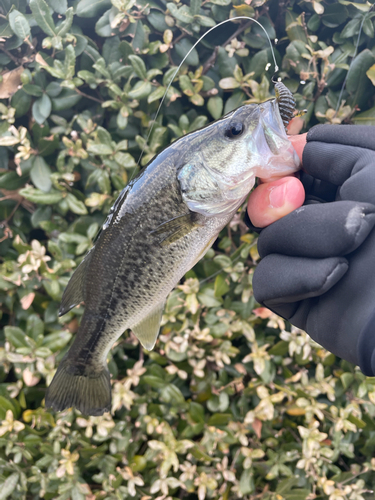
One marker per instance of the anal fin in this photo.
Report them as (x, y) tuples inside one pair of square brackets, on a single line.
[(74, 292), (147, 330)]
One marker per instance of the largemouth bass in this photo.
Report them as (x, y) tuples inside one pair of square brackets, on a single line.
[(159, 227)]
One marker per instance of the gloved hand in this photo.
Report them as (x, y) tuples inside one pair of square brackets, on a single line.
[(318, 262)]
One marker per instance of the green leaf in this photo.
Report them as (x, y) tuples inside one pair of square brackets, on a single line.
[(104, 137), (92, 8), (138, 66), (346, 379), (59, 6), (48, 145), (279, 349), (357, 83), (172, 394), (57, 340), (298, 494), (33, 90), (364, 7), (294, 28), (126, 50), (220, 419), (35, 326), (21, 102), (205, 21), (153, 381), (63, 28), (157, 20), (223, 260), (215, 107), (69, 62), (43, 17), (8, 487), (207, 298), (368, 27), (139, 37), (229, 83), (246, 483), (15, 336), (37, 196), (40, 174), (140, 90), (196, 411), (235, 101), (100, 149), (221, 286), (334, 15), (221, 3), (125, 160), (365, 118), (182, 48), (19, 24), (351, 28), (286, 485), (103, 25), (195, 6), (181, 14), (12, 181), (156, 95), (5, 29), (42, 109), (76, 206), (66, 100), (357, 421), (371, 74)]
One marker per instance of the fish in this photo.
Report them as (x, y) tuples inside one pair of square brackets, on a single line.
[(159, 227)]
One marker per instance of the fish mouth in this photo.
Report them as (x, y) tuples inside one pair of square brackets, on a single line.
[(279, 157)]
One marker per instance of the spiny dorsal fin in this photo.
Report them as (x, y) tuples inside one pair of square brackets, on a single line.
[(74, 292), (147, 330)]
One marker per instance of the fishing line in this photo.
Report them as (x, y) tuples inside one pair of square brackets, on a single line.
[(354, 56), (187, 55), (170, 83)]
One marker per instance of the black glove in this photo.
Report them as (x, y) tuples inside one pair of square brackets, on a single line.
[(318, 262)]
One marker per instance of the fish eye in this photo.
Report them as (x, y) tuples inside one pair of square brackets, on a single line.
[(234, 130)]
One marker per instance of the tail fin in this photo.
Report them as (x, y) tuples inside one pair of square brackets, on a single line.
[(89, 393)]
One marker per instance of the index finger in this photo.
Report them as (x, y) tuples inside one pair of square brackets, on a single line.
[(335, 153)]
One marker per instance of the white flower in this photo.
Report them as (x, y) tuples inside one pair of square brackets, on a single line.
[(9, 424), (132, 481)]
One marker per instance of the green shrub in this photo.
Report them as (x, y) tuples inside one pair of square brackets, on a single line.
[(232, 403)]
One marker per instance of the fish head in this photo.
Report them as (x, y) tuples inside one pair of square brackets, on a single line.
[(224, 158)]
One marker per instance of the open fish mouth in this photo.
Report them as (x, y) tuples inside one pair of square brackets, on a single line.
[(277, 156), (283, 159)]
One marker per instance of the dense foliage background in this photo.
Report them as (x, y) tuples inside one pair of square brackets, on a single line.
[(232, 403)]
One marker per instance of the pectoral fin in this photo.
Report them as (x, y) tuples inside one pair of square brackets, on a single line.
[(147, 330), (74, 292), (174, 229)]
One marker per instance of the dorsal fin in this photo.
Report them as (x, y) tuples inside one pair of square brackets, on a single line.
[(74, 292), (147, 330)]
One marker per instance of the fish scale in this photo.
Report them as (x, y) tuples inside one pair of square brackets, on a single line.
[(158, 228)]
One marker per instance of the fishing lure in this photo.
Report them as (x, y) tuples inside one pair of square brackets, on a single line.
[(286, 102)]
